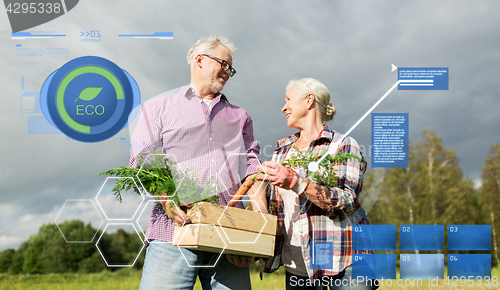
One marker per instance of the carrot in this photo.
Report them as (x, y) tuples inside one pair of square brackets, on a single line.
[(242, 190)]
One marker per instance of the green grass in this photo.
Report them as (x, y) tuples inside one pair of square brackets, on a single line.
[(122, 279), (127, 278)]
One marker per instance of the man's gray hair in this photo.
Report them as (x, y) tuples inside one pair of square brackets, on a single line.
[(208, 45), (306, 86)]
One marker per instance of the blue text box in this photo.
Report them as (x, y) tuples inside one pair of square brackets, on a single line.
[(421, 266), (423, 78), (390, 141), (374, 237), (321, 255), (374, 266), (469, 237), (470, 266), (421, 237)]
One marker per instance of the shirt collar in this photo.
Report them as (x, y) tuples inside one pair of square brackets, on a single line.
[(326, 133), (189, 92)]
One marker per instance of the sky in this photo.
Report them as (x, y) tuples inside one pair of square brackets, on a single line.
[(347, 45)]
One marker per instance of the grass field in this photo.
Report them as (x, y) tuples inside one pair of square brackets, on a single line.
[(125, 279)]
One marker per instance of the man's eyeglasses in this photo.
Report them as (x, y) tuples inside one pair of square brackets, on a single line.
[(223, 64)]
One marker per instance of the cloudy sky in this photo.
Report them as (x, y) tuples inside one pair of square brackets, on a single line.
[(348, 45)]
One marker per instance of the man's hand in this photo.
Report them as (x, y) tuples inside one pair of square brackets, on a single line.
[(278, 174), (174, 212), (240, 261)]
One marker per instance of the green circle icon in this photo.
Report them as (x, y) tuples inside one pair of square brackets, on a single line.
[(64, 84)]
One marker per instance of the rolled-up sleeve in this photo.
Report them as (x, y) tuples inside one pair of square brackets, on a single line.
[(252, 148), (344, 197)]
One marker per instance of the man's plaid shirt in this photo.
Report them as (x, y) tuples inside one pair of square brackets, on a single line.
[(333, 225)]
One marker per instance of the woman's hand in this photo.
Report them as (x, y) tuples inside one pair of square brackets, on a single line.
[(278, 175)]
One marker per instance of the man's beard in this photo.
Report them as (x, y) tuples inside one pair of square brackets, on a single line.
[(215, 85)]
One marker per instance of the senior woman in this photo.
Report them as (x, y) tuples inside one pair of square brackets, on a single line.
[(310, 214)]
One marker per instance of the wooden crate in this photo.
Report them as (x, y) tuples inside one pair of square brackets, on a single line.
[(243, 233)]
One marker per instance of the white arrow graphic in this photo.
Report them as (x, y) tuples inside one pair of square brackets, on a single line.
[(332, 149)]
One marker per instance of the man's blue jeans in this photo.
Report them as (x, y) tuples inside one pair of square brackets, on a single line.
[(166, 268)]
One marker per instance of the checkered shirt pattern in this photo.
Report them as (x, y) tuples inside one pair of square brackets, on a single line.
[(332, 225), (215, 145)]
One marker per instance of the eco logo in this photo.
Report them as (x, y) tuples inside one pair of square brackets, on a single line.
[(89, 99), (25, 14)]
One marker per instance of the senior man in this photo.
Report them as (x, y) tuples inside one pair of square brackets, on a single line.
[(202, 130)]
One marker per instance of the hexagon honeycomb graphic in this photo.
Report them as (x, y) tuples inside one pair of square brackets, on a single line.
[(108, 204), (233, 169), (142, 223), (79, 209), (109, 260)]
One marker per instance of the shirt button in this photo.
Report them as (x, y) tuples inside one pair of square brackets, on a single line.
[(211, 139), (213, 160)]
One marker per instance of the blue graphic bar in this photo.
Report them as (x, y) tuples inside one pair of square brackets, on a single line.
[(421, 237), (469, 266), (159, 35), (321, 255), (421, 266), (24, 35), (374, 266), (374, 237), (423, 78), (469, 237), (390, 141)]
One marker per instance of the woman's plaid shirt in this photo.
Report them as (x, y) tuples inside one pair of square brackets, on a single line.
[(333, 225)]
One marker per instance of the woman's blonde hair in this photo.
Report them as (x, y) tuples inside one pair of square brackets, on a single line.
[(306, 86)]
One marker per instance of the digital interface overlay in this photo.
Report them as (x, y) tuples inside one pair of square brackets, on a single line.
[(73, 87)]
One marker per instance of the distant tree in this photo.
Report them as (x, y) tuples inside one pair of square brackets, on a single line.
[(445, 196), (60, 256), (34, 263), (6, 258), (121, 248), (490, 195), (48, 252), (18, 260), (92, 264)]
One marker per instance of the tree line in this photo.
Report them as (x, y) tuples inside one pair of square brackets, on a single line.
[(431, 191), (48, 252)]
